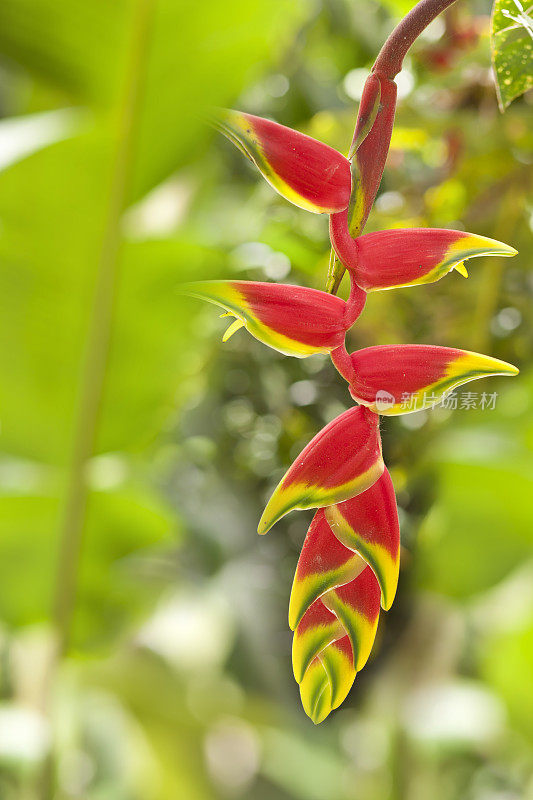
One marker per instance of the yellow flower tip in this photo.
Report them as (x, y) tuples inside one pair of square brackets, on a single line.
[(295, 609), (504, 368), (387, 600), (461, 269), (265, 523), (321, 711), (275, 509), (501, 249), (491, 247), (483, 365), (315, 693), (236, 325)]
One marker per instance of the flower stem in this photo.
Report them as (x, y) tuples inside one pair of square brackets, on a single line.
[(390, 58), (343, 363), (373, 145)]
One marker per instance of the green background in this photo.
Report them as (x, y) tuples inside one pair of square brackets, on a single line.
[(177, 681)]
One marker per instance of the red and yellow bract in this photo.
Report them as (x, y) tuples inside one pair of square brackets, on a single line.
[(407, 257), (402, 378), (341, 461), (294, 320), (333, 641), (368, 524), (310, 174)]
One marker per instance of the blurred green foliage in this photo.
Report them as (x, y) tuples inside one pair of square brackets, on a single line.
[(177, 682)]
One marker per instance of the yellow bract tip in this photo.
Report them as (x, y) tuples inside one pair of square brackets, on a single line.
[(461, 269), (265, 523)]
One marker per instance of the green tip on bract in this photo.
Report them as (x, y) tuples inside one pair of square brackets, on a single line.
[(507, 250), (192, 289), (320, 711), (276, 508), (225, 121), (485, 366), (509, 369)]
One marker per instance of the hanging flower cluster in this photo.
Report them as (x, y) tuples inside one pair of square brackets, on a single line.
[(349, 563)]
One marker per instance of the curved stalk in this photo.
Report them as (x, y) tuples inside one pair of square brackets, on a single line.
[(390, 58)]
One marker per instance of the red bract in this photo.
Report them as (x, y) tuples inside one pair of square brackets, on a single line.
[(407, 257), (368, 524), (399, 378), (310, 174), (341, 461), (292, 319), (370, 155), (350, 558), (323, 564)]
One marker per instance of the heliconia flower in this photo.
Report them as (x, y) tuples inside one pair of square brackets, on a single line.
[(307, 172), (406, 257), (332, 643), (402, 378), (294, 320), (368, 524), (341, 461)]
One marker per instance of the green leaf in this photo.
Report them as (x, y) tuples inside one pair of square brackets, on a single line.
[(124, 528), (83, 49), (479, 529), (100, 349), (512, 50), (75, 45), (507, 664)]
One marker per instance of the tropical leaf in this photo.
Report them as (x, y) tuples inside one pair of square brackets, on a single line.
[(512, 49)]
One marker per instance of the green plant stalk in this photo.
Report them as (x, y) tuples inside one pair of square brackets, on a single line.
[(99, 335), (96, 356)]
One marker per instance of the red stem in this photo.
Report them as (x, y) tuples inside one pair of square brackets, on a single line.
[(343, 363), (392, 54), (355, 303)]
